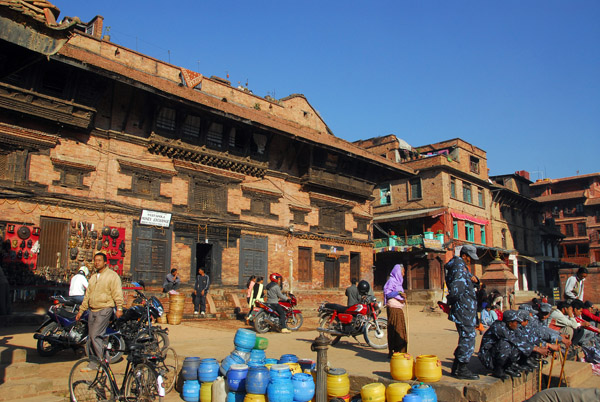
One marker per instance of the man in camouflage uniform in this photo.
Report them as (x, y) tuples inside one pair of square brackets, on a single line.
[(528, 343), (463, 309), (540, 333), (499, 346)]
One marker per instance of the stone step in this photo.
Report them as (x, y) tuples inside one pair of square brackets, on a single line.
[(9, 355), (19, 371), (26, 388), (577, 374)]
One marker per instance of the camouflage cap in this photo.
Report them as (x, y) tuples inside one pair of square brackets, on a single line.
[(511, 315), (523, 315), (545, 308)]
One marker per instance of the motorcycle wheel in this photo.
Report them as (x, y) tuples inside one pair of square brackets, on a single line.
[(324, 323), (294, 321), (260, 323), (161, 338), (45, 348), (115, 341), (377, 339)]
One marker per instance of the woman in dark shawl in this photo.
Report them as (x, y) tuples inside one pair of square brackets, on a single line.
[(395, 301)]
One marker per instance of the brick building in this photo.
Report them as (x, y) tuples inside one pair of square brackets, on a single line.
[(419, 220), (573, 204), (93, 134), (518, 226)]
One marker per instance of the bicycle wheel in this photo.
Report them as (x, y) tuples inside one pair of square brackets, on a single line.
[(168, 368), (141, 384), (92, 385)]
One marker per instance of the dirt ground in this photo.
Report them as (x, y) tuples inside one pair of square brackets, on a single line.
[(429, 333)]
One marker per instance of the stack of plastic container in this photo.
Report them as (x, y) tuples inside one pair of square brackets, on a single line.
[(280, 387), (208, 371), (244, 341), (338, 384), (257, 382), (189, 372)]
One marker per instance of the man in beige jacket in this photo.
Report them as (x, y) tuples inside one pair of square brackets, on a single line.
[(103, 294)]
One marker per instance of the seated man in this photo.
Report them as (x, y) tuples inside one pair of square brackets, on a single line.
[(590, 314), (563, 320), (172, 282), (528, 341), (542, 333), (498, 346)]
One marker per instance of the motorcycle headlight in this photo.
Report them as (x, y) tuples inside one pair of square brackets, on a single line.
[(379, 305)]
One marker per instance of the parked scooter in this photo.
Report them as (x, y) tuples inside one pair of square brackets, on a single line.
[(362, 318), (60, 330), (266, 318)]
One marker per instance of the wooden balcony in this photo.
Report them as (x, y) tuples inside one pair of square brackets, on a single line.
[(47, 107), (338, 181)]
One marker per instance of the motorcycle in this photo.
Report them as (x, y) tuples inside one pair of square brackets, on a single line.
[(266, 318), (136, 321), (362, 318), (60, 330)]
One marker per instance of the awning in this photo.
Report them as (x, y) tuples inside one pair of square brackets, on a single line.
[(469, 218), (527, 258), (419, 213)]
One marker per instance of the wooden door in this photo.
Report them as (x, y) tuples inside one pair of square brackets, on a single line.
[(355, 266), (331, 273), (253, 258), (150, 253), (304, 264), (54, 237)]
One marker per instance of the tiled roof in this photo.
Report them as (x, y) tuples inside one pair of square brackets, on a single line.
[(259, 117), (561, 196), (39, 10), (551, 181)]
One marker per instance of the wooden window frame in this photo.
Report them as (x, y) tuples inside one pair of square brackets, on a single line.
[(414, 186), (466, 187), (474, 164), (453, 188)]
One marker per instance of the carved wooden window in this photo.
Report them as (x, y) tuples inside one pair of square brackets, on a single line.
[(145, 181), (208, 196), (362, 225), (143, 185), (191, 125), (166, 119), (332, 218), (299, 216), (4, 174), (71, 173), (260, 204), (214, 137)]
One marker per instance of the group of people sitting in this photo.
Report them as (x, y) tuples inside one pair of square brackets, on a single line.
[(516, 342)]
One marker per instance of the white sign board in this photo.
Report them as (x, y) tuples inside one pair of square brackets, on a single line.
[(154, 218)]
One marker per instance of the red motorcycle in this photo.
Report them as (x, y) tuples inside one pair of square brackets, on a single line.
[(265, 317), (362, 318)]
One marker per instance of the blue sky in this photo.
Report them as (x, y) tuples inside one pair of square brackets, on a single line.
[(519, 79)]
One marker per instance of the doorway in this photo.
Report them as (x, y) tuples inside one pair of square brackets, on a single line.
[(204, 259)]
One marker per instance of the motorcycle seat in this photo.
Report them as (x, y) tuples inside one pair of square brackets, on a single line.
[(66, 314), (340, 308)]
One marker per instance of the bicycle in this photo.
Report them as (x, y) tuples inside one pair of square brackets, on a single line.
[(141, 381)]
